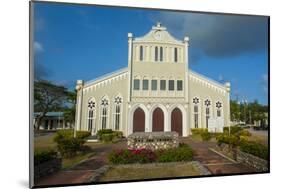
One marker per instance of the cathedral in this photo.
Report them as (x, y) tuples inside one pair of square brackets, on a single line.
[(156, 91)]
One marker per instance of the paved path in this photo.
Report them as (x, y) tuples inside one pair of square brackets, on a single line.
[(83, 172), (214, 162)]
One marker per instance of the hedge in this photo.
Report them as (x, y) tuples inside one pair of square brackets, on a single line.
[(196, 131), (233, 129), (132, 156), (126, 156), (232, 140), (255, 149), (182, 153), (206, 136), (108, 135), (70, 134), (44, 156)]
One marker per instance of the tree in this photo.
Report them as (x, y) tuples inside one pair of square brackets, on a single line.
[(47, 97), (235, 110), (69, 113)]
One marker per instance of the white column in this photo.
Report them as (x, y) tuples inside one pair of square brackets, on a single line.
[(185, 125), (148, 120), (79, 88), (167, 126), (130, 52)]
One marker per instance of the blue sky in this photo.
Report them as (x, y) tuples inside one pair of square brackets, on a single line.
[(83, 42)]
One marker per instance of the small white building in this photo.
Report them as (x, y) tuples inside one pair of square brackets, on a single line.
[(53, 121), (156, 92)]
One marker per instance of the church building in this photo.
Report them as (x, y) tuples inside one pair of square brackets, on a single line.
[(156, 91)]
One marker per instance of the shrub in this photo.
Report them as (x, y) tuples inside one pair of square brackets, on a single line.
[(206, 136), (231, 140), (233, 129), (196, 131), (104, 131), (44, 156), (182, 153), (83, 134), (245, 133), (68, 145), (107, 135), (132, 156), (255, 149), (70, 134)]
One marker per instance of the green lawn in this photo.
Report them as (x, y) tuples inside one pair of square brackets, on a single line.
[(44, 142), (47, 143), (118, 173), (260, 139)]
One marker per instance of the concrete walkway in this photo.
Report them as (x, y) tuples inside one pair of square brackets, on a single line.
[(83, 172), (215, 163)]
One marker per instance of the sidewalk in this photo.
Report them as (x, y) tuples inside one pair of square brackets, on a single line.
[(214, 162), (83, 172)]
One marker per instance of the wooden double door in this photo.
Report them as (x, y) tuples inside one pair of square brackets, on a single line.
[(157, 120)]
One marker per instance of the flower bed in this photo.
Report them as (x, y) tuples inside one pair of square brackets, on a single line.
[(127, 156)]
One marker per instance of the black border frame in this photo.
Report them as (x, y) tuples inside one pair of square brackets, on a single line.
[(31, 78)]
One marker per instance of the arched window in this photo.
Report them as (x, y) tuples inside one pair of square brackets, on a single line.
[(219, 108), (156, 53), (141, 53), (104, 113), (91, 115), (161, 54), (207, 104), (196, 111), (117, 112), (176, 55)]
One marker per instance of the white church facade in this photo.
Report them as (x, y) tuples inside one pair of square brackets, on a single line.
[(156, 91)]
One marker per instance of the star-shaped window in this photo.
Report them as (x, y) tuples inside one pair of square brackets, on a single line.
[(196, 100), (218, 105), (207, 102), (104, 102), (118, 100), (91, 104)]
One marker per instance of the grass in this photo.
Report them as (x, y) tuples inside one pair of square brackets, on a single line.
[(46, 143), (118, 173), (259, 139)]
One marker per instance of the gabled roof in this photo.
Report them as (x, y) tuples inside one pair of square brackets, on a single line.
[(161, 31), (209, 80), (106, 76)]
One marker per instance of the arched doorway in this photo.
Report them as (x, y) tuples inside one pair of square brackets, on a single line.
[(158, 120), (176, 121), (138, 120)]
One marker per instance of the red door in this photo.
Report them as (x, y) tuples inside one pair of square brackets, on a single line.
[(176, 121), (158, 120), (138, 120)]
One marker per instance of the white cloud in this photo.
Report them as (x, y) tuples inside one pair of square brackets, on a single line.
[(38, 47)]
